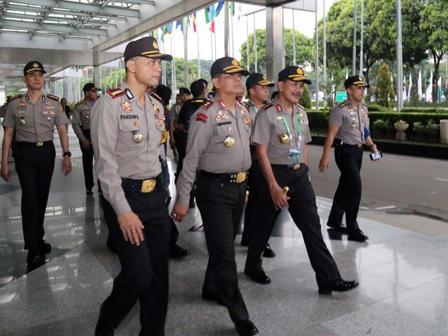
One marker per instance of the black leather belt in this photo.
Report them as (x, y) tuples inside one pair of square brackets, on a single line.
[(35, 144), (342, 143), (231, 178), (143, 186)]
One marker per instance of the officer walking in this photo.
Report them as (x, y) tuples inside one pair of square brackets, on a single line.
[(81, 126), (257, 89), (218, 147), (281, 134), (32, 118), (127, 128), (348, 124)]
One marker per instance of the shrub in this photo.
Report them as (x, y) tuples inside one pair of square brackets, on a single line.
[(375, 107), (305, 100), (384, 93)]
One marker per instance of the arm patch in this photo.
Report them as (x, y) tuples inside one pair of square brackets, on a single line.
[(115, 93)]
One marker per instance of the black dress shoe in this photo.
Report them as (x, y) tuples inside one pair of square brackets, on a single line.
[(178, 252), (208, 296), (268, 252), (100, 332), (246, 328), (44, 247), (338, 286), (111, 246), (259, 277), (244, 243), (35, 257), (89, 192), (358, 236)]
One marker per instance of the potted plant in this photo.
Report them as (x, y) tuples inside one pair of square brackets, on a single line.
[(401, 126)]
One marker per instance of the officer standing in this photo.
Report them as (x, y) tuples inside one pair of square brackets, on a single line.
[(348, 124), (32, 117), (127, 129), (257, 89), (281, 134), (81, 126), (218, 147)]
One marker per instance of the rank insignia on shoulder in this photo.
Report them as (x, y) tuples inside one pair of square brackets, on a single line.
[(343, 104), (53, 97), (300, 107), (246, 105), (77, 104), (202, 117), (207, 105), (115, 93), (15, 97), (266, 106), (156, 96)]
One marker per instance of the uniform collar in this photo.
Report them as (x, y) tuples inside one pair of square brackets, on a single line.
[(127, 91), (221, 104), (281, 109), (27, 98)]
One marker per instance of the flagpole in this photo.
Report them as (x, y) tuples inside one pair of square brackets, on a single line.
[(226, 31), (247, 43), (255, 46), (199, 54), (232, 36), (294, 39), (185, 27)]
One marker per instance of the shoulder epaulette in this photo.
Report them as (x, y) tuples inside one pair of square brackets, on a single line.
[(115, 93), (79, 103), (53, 97), (266, 106), (362, 103), (156, 96), (246, 105), (300, 106), (15, 97), (197, 100), (342, 104), (207, 105)]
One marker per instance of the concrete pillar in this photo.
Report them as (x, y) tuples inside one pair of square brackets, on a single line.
[(66, 86), (274, 41), (96, 75)]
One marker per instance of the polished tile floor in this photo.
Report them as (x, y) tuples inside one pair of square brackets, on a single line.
[(403, 275)]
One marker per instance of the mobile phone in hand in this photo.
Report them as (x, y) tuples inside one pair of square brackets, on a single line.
[(376, 156)]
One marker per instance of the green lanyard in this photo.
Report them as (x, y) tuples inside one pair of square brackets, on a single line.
[(253, 107), (299, 127)]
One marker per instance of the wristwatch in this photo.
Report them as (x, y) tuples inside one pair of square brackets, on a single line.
[(69, 154)]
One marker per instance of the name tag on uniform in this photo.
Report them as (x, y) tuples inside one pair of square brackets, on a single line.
[(224, 123)]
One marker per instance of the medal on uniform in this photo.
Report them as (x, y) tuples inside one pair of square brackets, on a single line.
[(156, 108), (229, 141), (22, 121), (353, 125), (87, 117), (138, 137), (49, 118), (284, 138)]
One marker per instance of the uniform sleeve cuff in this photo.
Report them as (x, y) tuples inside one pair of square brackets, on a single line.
[(122, 208), (183, 199)]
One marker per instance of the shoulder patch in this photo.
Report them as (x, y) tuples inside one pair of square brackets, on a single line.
[(115, 93), (15, 97), (342, 104), (266, 106), (201, 117), (207, 105), (156, 96), (53, 97)]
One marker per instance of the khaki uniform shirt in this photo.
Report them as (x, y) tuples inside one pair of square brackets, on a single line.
[(34, 122), (206, 150), (174, 114), (81, 118), (252, 110), (3, 110), (270, 125), (118, 121), (351, 122)]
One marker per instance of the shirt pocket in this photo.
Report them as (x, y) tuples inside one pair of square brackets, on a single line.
[(130, 134)]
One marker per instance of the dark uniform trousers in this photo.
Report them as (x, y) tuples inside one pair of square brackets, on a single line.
[(34, 166), (181, 145), (348, 194), (144, 273), (221, 205), (251, 206), (87, 161), (303, 210)]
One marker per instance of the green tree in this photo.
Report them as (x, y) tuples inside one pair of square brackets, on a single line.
[(305, 100), (304, 50), (384, 93)]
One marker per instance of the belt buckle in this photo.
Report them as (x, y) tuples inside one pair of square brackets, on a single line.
[(39, 144), (297, 166), (359, 145), (241, 177), (148, 186)]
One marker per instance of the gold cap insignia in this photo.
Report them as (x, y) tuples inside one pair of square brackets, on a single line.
[(155, 45), (360, 78), (235, 62), (300, 71), (265, 78), (35, 65)]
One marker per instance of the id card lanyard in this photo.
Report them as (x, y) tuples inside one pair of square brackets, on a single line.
[(299, 128)]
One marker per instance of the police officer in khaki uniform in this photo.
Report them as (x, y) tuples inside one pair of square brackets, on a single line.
[(257, 86), (127, 129), (348, 124), (81, 126), (218, 147), (32, 118), (281, 134)]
